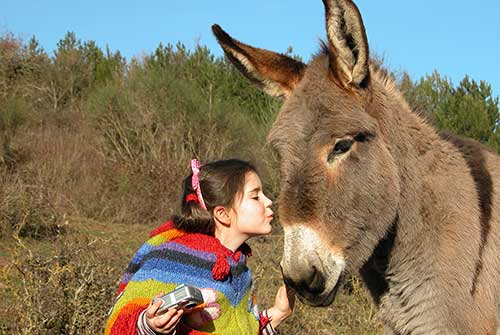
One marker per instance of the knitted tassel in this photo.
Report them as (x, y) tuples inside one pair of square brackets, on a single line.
[(246, 250), (221, 268)]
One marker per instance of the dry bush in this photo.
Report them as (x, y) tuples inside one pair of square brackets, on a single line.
[(148, 131), (26, 210), (66, 291), (13, 113), (60, 178), (67, 286)]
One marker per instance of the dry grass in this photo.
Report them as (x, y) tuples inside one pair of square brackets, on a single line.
[(65, 285)]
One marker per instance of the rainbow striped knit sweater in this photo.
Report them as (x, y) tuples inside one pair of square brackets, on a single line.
[(172, 257)]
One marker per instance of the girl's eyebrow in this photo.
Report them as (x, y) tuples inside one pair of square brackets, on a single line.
[(257, 189)]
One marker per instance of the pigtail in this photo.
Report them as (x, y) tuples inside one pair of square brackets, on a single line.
[(193, 217)]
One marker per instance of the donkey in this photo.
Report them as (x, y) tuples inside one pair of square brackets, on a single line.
[(370, 187)]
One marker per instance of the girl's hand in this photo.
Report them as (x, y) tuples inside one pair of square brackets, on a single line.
[(283, 305), (164, 323), (207, 312)]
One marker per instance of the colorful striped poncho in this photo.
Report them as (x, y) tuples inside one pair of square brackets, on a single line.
[(172, 257)]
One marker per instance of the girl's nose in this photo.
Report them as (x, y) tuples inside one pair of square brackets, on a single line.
[(269, 202)]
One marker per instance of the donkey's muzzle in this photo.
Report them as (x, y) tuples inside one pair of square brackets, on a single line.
[(315, 289), (310, 266), (312, 284), (315, 284)]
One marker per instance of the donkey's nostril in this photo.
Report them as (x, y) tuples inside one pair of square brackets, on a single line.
[(289, 282), (314, 282), (317, 281)]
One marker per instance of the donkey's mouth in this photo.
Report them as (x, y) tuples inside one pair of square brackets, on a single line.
[(320, 298), (322, 283)]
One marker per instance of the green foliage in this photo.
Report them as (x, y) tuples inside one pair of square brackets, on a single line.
[(70, 74), (104, 65), (469, 110), (215, 78), (473, 112)]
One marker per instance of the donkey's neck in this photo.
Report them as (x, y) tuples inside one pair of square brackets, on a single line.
[(374, 271), (409, 138), (414, 145), (406, 267)]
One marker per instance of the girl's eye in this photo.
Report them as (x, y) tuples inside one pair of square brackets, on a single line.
[(341, 147), (256, 198)]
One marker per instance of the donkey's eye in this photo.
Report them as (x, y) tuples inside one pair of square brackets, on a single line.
[(341, 147)]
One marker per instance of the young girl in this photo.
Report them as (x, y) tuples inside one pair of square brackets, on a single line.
[(223, 205)]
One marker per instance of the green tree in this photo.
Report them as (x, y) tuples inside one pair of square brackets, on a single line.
[(103, 65), (70, 74), (471, 111), (468, 110)]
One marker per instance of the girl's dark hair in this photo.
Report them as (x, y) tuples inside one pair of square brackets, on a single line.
[(220, 182)]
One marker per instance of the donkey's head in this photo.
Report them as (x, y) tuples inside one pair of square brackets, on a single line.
[(339, 180)]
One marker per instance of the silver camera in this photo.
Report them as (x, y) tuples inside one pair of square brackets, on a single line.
[(182, 297)]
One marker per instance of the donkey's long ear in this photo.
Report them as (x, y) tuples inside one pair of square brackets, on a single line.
[(274, 73), (349, 54)]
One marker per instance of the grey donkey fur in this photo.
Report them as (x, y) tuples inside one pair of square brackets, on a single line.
[(369, 187)]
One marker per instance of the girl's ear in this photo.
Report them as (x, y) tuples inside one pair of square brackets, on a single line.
[(222, 215)]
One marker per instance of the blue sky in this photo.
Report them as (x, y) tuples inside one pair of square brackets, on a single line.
[(454, 37)]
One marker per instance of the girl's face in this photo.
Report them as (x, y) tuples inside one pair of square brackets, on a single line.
[(251, 215)]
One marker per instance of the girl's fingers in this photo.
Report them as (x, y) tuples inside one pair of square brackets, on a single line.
[(163, 320), (159, 295), (153, 307), (281, 294), (151, 311), (285, 291), (174, 320), (289, 292)]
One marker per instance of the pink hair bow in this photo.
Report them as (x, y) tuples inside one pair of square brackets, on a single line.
[(195, 181)]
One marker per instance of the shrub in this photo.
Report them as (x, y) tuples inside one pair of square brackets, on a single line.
[(67, 291), (12, 116)]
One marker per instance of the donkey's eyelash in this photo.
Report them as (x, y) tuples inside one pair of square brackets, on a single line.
[(363, 137)]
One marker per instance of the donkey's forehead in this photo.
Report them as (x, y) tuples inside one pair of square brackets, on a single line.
[(317, 106), (298, 116), (294, 123)]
